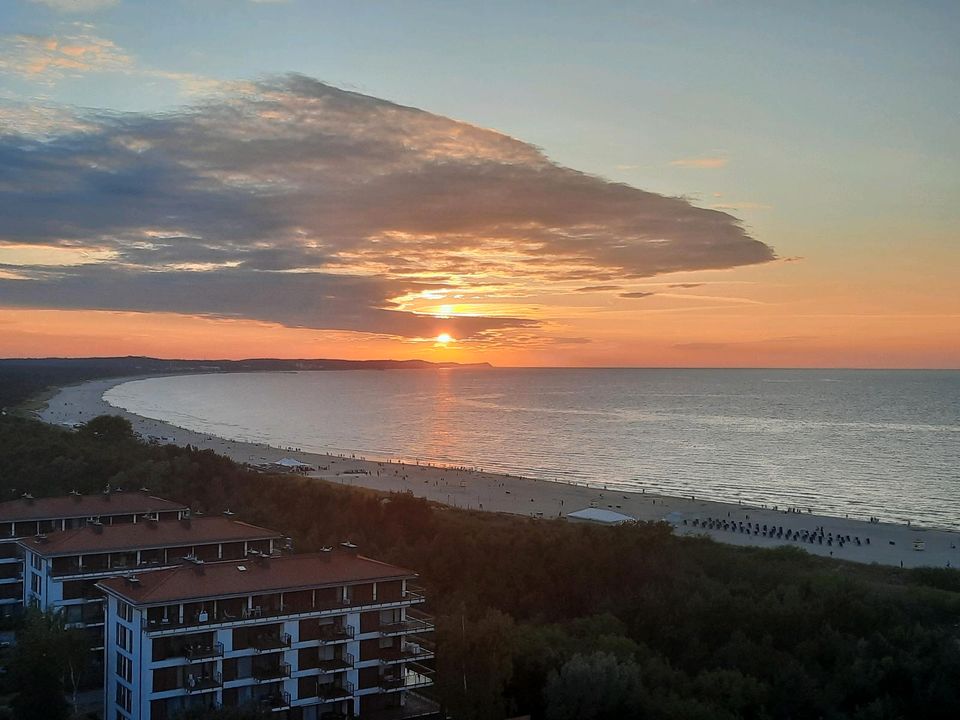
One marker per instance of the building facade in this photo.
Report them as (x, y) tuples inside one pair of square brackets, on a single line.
[(30, 517), (324, 635)]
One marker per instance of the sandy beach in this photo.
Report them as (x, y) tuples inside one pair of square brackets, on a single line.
[(869, 542)]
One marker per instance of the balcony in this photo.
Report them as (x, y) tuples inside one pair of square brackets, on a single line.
[(225, 617), (420, 650), (334, 633), (334, 691), (200, 683), (336, 664), (271, 641), (412, 624), (272, 672), (413, 676), (203, 652), (279, 700)]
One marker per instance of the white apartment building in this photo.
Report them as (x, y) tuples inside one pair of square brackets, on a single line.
[(29, 516), (306, 637)]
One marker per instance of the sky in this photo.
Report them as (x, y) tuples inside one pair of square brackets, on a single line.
[(686, 184)]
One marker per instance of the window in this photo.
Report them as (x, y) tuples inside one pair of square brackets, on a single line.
[(124, 638), (123, 697), (35, 584), (124, 668), (125, 611), (35, 561)]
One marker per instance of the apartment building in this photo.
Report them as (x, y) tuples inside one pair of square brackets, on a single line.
[(312, 636), (29, 516)]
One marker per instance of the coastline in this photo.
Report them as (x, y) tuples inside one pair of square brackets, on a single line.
[(890, 543)]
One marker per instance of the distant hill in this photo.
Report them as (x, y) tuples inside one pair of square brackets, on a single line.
[(22, 378)]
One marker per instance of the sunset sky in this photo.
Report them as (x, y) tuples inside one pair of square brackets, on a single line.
[(691, 183)]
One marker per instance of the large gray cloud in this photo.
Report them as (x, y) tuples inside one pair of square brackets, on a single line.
[(361, 197)]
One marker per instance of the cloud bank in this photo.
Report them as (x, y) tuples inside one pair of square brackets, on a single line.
[(295, 202)]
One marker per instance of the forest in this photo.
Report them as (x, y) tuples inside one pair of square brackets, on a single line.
[(563, 621)]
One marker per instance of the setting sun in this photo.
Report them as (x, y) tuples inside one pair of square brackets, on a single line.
[(444, 338)]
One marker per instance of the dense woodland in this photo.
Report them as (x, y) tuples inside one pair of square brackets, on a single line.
[(567, 621)]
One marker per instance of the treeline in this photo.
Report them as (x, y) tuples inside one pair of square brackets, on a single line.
[(22, 378), (562, 620)]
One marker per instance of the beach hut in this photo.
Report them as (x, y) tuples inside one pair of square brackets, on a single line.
[(599, 515)]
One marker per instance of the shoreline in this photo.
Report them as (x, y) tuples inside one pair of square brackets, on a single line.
[(468, 488)]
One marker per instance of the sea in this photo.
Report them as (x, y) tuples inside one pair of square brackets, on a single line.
[(842, 442)]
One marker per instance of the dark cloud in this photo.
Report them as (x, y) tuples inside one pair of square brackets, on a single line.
[(348, 190), (597, 288), (636, 295), (307, 300), (687, 285)]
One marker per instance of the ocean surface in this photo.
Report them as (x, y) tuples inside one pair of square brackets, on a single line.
[(855, 442)]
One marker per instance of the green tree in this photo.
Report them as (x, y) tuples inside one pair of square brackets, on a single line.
[(111, 429), (595, 687), (38, 669), (474, 664)]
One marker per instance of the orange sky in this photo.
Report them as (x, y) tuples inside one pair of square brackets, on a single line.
[(699, 189)]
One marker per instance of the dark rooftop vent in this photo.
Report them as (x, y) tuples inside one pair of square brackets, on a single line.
[(326, 553), (132, 579), (185, 521), (153, 522), (97, 527), (229, 513), (27, 498), (75, 495), (42, 538), (144, 489), (349, 547)]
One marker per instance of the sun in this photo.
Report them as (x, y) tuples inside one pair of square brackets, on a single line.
[(444, 338)]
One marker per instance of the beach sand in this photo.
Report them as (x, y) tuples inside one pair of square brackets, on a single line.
[(890, 543)]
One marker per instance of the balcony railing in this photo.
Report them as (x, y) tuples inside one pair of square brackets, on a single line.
[(410, 625), (345, 662), (409, 651), (202, 652), (276, 701), (203, 682), (414, 675), (271, 641), (275, 672), (331, 633), (338, 690), (221, 617)]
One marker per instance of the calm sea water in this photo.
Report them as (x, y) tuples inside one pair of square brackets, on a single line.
[(852, 442)]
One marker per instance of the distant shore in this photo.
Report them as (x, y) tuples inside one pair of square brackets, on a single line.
[(463, 487)]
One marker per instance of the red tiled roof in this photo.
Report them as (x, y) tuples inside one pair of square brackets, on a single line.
[(82, 506), (146, 534), (225, 579)]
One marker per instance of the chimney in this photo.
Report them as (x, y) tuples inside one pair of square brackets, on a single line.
[(75, 495), (198, 566), (185, 521), (132, 580), (326, 553), (153, 523), (229, 513), (349, 548), (97, 527), (27, 498)]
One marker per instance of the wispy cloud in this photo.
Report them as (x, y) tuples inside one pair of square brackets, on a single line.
[(53, 58), (744, 205), (705, 162), (76, 6), (636, 295), (597, 288), (299, 203)]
